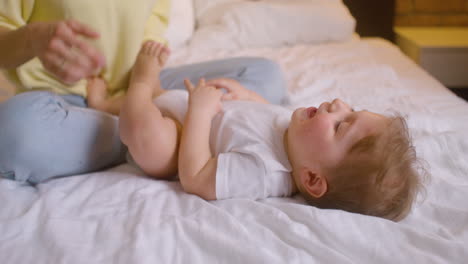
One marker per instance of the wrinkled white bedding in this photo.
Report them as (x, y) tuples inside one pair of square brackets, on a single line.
[(238, 24), (119, 216)]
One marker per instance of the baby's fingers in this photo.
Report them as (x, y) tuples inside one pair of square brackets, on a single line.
[(188, 85), (202, 82)]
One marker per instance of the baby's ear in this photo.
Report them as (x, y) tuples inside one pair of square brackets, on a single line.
[(314, 183)]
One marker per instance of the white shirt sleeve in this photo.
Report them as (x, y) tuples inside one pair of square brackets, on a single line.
[(239, 175)]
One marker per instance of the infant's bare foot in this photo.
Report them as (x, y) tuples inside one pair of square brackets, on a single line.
[(96, 92), (151, 59)]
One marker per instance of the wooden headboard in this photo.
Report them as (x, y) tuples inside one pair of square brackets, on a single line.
[(374, 17)]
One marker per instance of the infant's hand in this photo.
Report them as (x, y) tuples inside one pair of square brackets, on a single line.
[(204, 99), (235, 90)]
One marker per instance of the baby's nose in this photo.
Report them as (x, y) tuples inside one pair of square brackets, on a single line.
[(339, 104), (337, 101), (336, 104)]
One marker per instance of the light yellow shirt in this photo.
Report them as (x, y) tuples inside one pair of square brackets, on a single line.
[(122, 24)]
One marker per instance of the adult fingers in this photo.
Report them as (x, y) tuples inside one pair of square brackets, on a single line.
[(228, 97), (53, 63), (69, 55), (67, 63), (221, 83), (65, 72), (68, 70), (91, 53), (82, 29), (67, 34), (217, 92), (218, 82)]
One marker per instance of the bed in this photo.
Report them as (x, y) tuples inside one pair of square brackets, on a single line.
[(121, 216)]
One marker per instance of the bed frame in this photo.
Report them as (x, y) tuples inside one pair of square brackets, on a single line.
[(374, 17)]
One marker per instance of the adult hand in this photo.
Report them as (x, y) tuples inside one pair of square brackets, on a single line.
[(235, 90), (62, 50)]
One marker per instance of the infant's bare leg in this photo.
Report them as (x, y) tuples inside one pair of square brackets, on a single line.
[(97, 97), (152, 138)]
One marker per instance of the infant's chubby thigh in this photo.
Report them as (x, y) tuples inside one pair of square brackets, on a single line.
[(158, 156)]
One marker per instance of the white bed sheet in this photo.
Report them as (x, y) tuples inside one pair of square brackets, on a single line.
[(120, 216)]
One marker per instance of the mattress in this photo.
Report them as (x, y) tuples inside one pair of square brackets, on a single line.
[(121, 216)]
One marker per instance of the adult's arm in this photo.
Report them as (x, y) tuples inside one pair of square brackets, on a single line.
[(14, 47)]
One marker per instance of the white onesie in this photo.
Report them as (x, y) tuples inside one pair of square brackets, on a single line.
[(247, 138)]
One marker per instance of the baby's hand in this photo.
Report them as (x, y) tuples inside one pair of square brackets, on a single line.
[(235, 90), (204, 99)]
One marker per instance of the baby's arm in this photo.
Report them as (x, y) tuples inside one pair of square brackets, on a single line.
[(236, 91), (197, 166)]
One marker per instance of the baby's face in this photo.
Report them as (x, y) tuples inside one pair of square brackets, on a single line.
[(322, 136)]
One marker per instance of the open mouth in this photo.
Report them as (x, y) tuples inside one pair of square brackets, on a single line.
[(311, 111)]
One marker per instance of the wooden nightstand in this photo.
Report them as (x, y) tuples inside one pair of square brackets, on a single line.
[(441, 51)]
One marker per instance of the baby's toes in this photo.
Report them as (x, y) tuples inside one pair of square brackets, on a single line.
[(147, 47), (164, 55), (155, 47)]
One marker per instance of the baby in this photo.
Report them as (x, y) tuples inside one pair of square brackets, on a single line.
[(234, 144)]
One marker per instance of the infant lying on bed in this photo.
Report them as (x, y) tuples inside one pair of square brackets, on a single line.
[(235, 144)]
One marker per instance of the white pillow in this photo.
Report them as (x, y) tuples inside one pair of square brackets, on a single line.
[(181, 23), (201, 6), (272, 23)]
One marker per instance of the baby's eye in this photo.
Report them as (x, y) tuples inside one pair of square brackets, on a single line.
[(342, 127)]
